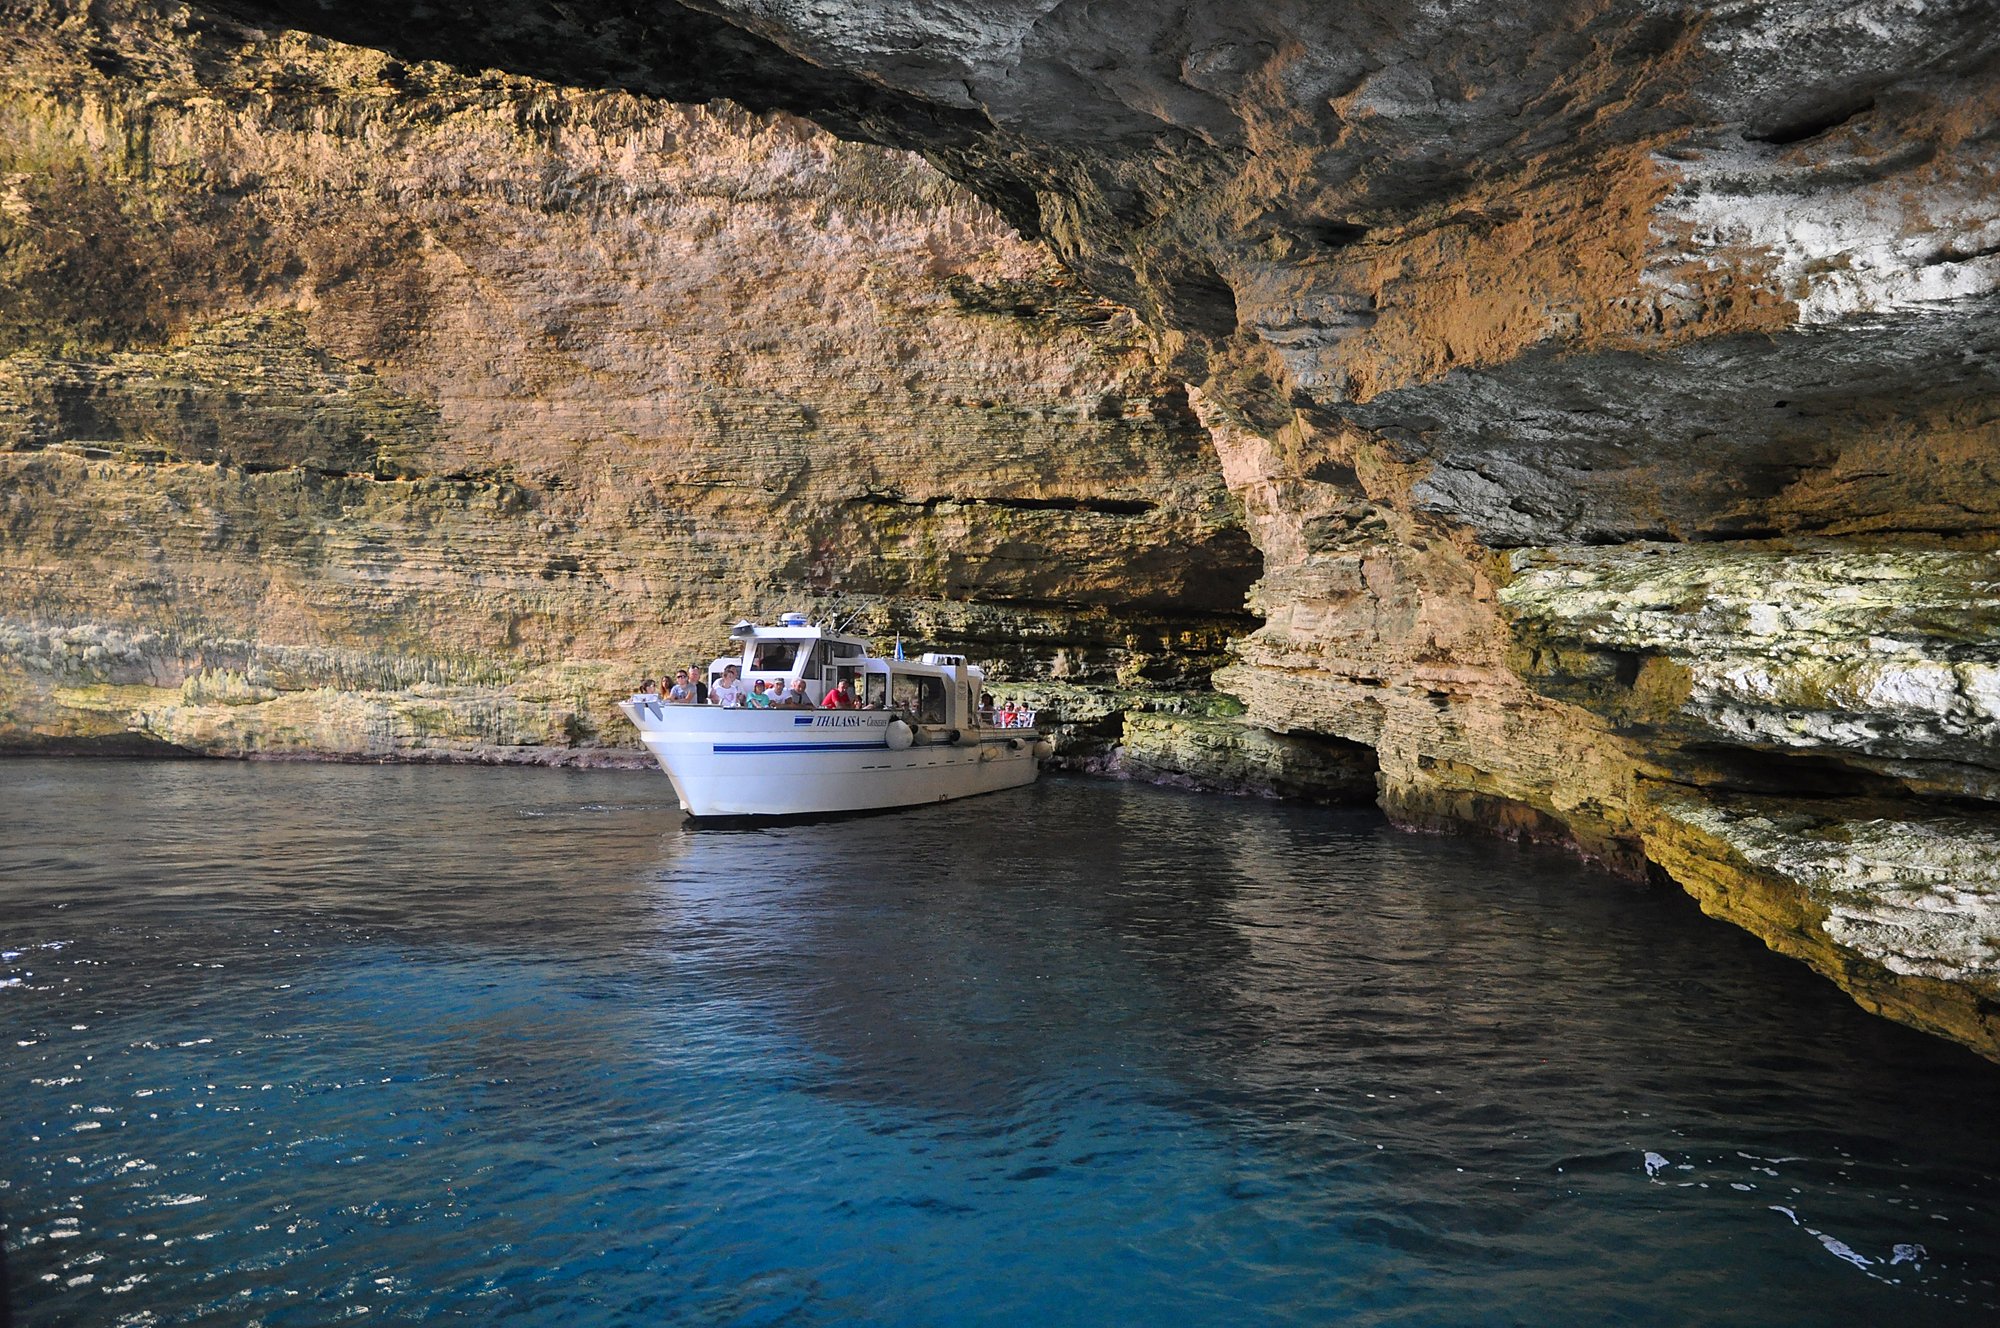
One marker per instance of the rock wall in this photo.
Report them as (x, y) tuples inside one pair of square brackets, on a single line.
[(375, 409), (1607, 388)]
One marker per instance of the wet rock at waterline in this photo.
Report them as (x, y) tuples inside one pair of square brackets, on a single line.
[(1600, 398)]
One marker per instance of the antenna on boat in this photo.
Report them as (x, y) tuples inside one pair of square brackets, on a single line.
[(839, 629)]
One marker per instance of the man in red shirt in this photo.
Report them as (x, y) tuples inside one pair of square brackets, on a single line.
[(839, 698)]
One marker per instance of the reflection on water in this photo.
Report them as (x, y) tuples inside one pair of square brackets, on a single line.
[(295, 1043)]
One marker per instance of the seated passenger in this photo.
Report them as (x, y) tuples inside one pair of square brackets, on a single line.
[(682, 692), (797, 698), (839, 698), (648, 688), (760, 696)]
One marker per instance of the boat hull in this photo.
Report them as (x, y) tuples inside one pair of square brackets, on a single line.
[(809, 762)]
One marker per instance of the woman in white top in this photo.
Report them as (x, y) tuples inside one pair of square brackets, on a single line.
[(728, 689)]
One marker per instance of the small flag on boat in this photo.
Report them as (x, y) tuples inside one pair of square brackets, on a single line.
[(899, 647)]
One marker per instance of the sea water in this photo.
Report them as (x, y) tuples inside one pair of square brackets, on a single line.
[(297, 1044)]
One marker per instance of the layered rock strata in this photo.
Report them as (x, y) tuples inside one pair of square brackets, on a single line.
[(1815, 731), (370, 409)]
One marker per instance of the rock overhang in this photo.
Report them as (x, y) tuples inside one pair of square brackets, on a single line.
[(1588, 179)]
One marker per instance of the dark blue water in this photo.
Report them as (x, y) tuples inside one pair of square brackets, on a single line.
[(291, 1044)]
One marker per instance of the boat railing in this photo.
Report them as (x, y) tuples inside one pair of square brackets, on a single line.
[(657, 707)]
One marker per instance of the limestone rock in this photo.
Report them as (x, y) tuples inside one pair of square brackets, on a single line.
[(1899, 905), (1886, 658), (446, 405), (1232, 755)]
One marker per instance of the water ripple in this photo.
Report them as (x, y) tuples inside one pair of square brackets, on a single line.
[(298, 1044)]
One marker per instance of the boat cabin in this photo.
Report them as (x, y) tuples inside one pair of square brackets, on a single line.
[(936, 689)]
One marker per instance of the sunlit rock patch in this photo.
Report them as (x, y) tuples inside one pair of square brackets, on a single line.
[(1889, 658)]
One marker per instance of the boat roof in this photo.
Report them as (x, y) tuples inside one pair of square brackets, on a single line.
[(794, 627)]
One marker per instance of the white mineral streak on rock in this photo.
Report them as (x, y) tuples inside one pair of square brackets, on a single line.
[(1980, 685), (1765, 619), (1865, 250), (1752, 680), (1834, 232), (1781, 25), (1919, 686)]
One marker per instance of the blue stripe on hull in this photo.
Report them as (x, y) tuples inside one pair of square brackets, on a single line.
[(753, 748)]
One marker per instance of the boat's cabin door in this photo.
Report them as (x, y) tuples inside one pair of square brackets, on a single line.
[(838, 662)]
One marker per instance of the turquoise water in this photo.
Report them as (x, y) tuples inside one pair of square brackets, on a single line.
[(297, 1044)]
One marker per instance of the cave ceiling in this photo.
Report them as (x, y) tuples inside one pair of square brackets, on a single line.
[(1561, 251)]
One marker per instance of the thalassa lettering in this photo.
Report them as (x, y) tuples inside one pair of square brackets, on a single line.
[(839, 721)]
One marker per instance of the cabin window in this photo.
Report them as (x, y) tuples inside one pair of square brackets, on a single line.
[(875, 691), (774, 656), (930, 700)]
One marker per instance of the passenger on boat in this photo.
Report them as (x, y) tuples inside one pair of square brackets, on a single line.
[(682, 692), (698, 679), (759, 698), (796, 699), (840, 698), (728, 689), (1008, 715), (649, 688)]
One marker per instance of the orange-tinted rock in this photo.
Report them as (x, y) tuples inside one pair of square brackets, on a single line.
[(471, 400)]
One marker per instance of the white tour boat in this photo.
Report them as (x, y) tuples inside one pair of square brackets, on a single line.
[(916, 737)]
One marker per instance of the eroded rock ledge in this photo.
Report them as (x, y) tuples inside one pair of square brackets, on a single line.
[(1607, 390)]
